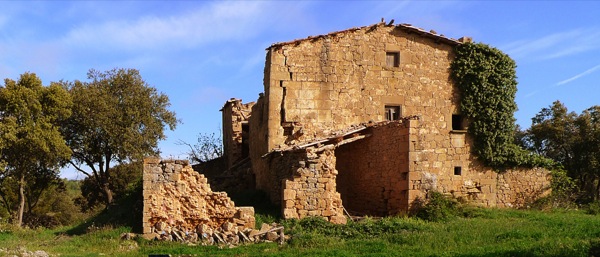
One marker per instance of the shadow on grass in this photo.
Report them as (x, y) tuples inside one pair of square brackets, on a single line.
[(125, 212)]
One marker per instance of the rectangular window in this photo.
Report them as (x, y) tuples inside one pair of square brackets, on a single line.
[(457, 171), (392, 59), (392, 112), (458, 122)]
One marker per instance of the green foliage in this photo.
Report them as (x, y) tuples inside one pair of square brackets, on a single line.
[(564, 188), (497, 233), (573, 141), (123, 176), (367, 228), (593, 208), (486, 79), (439, 208), (31, 145), (126, 211), (117, 117), (594, 247)]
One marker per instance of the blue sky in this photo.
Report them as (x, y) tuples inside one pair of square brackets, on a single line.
[(201, 53)]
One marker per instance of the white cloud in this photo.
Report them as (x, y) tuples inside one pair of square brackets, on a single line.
[(211, 23), (578, 76), (555, 45)]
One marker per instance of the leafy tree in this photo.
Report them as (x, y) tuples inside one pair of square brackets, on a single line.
[(552, 132), (123, 176), (117, 117), (571, 140), (32, 146)]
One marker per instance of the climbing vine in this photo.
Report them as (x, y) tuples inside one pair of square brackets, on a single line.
[(487, 81)]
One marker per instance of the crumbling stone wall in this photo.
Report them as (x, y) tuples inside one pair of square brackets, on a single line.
[(331, 82), (235, 130), (311, 190), (178, 198), (373, 172)]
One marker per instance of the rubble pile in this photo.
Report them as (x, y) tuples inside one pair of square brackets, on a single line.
[(227, 234), (179, 203)]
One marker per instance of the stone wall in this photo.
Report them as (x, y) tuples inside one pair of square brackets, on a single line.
[(311, 190), (372, 177), (329, 83), (519, 188), (443, 162), (178, 198), (235, 130)]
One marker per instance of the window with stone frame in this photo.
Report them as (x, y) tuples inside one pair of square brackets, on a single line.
[(393, 112), (392, 59)]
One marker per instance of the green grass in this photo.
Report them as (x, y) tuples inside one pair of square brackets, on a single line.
[(487, 232)]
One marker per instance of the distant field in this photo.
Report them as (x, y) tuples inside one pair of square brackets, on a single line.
[(484, 232)]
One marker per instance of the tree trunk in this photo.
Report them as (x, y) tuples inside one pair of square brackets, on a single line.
[(21, 200), (108, 194)]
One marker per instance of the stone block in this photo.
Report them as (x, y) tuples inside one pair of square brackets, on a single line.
[(338, 219), (289, 194)]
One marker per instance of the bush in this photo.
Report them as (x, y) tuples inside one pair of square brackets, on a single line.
[(439, 208), (364, 229), (594, 247), (593, 208)]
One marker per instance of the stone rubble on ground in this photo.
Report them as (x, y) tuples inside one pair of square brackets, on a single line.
[(228, 234), (22, 252)]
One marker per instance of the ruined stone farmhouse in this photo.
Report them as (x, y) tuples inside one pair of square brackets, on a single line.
[(365, 119)]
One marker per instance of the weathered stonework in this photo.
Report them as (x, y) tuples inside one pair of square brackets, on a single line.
[(311, 188), (178, 198), (319, 88), (235, 130)]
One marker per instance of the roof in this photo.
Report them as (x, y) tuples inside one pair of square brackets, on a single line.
[(341, 137), (404, 26)]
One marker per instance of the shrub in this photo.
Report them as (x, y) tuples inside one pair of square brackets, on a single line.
[(439, 208), (593, 208)]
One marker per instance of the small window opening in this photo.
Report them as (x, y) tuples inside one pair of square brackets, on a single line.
[(392, 112), (457, 171), (245, 136), (392, 59), (458, 122)]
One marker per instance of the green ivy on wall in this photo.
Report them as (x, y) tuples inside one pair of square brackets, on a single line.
[(487, 82)]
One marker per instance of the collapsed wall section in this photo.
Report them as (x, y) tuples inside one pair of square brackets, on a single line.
[(176, 198)]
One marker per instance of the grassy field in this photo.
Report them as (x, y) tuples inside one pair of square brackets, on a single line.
[(479, 232)]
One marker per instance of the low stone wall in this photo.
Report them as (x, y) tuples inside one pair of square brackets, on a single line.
[(520, 187), (176, 198)]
